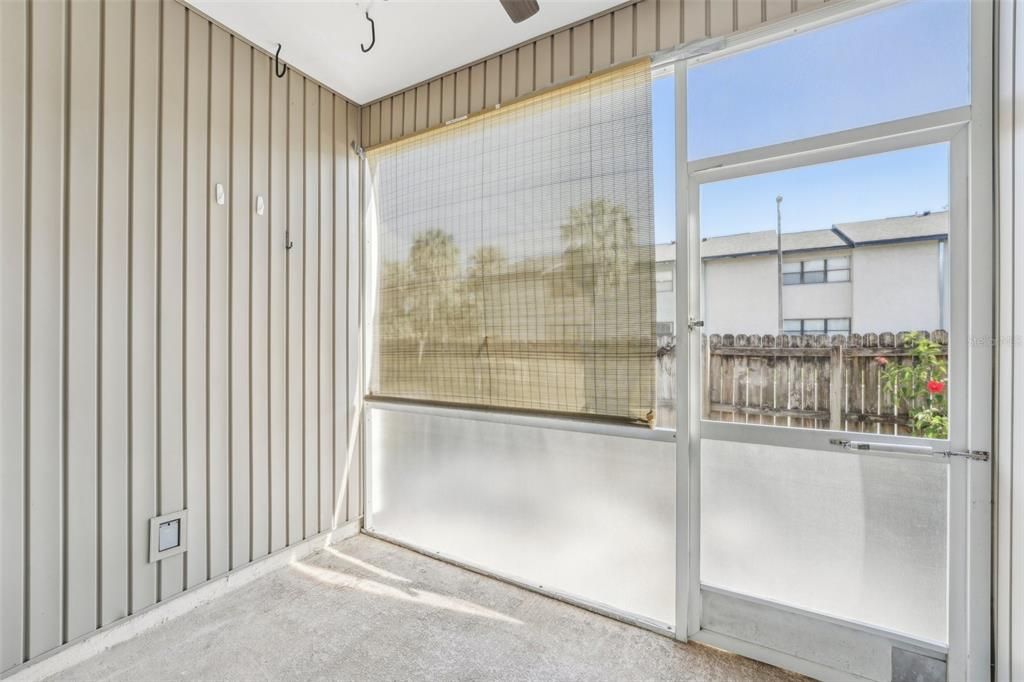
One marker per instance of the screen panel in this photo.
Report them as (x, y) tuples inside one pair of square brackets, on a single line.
[(857, 537), (515, 256)]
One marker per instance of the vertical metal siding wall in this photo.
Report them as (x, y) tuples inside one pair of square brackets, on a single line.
[(1009, 456), (160, 350), (612, 38)]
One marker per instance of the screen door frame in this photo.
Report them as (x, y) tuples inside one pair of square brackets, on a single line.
[(968, 132)]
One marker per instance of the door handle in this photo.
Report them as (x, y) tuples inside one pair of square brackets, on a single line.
[(899, 448), (693, 324)]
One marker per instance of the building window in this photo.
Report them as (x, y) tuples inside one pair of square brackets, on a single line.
[(816, 325), (816, 271), (663, 279)]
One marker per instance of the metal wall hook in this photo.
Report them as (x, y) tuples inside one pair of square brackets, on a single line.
[(279, 72), (373, 35)]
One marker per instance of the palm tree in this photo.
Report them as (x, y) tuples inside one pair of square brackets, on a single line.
[(485, 265), (433, 281), (600, 246), (600, 254)]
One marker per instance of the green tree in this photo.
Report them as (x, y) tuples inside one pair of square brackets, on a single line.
[(486, 264), (600, 246), (393, 307), (433, 285), (920, 387)]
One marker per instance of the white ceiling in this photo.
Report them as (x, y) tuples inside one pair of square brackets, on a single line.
[(416, 39)]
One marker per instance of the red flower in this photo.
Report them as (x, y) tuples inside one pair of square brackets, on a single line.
[(881, 360), (936, 386)]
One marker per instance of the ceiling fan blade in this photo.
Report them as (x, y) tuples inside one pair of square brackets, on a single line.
[(520, 10)]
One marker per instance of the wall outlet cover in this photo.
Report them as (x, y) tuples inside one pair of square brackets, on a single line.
[(168, 535)]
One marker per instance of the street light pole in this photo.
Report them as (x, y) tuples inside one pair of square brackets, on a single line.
[(778, 242)]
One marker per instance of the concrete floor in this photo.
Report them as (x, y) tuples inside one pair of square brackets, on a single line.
[(368, 610)]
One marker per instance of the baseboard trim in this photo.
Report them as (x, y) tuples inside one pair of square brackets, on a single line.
[(81, 649)]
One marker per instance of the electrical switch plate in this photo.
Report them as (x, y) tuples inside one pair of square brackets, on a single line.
[(167, 535)]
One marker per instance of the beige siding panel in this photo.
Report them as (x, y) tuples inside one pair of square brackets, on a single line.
[(461, 92), (44, 352), (240, 234), (581, 64), (670, 18), (259, 330), (721, 19), (325, 298), (542, 63), (375, 118), (602, 42), (145, 327), (433, 106), (1008, 583), (776, 9), (509, 77), (614, 37), (114, 327), (421, 108), (622, 34), (492, 82), (408, 117), (82, 301), (646, 27), (365, 113), (339, 286), (524, 68), (561, 56), (144, 300), (354, 379), (447, 98), (748, 13), (476, 88), (310, 311), (397, 116), (385, 120), (170, 283), (296, 213), (13, 232), (218, 311), (695, 19), (197, 200), (45, 361), (277, 209), (803, 5)]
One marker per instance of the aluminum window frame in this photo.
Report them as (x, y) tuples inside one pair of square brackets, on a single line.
[(968, 131)]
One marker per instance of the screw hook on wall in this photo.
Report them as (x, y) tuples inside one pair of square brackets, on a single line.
[(278, 71), (373, 35)]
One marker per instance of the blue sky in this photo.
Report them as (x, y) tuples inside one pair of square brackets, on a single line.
[(902, 61)]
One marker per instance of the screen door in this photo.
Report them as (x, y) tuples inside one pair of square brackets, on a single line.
[(828, 335)]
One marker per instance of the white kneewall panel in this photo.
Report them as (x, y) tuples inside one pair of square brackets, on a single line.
[(584, 514)]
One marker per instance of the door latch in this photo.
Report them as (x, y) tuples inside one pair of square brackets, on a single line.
[(976, 455), (693, 324), (905, 449)]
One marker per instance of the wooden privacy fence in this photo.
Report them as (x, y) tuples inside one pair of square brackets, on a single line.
[(813, 382)]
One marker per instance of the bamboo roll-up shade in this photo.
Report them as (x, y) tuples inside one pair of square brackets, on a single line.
[(515, 256)]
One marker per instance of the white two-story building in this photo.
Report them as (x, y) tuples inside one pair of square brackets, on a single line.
[(850, 278)]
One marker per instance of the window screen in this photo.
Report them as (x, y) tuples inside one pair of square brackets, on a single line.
[(514, 256)]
